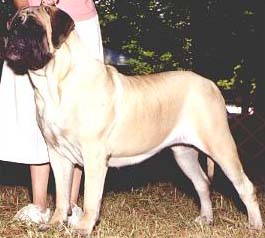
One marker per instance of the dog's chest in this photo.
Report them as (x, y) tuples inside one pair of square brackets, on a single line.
[(58, 133)]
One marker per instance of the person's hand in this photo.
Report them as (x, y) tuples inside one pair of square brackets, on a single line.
[(20, 3), (49, 2)]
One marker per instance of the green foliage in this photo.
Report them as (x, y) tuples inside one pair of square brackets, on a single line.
[(227, 41), (154, 34), (226, 84), (237, 82), (211, 37), (166, 57)]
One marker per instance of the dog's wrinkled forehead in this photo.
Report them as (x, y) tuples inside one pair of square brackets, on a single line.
[(21, 17)]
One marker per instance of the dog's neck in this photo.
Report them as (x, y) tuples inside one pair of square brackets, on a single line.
[(70, 58)]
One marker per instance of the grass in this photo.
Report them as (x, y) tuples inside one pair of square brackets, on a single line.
[(163, 207), (157, 210)]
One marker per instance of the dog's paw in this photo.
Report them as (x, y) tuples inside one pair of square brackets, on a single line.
[(44, 227), (84, 227), (256, 225), (81, 232), (57, 226), (59, 217), (204, 220)]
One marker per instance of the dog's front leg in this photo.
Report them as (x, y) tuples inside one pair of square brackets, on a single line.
[(95, 167), (63, 174)]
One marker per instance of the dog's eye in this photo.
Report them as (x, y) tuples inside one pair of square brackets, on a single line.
[(13, 25)]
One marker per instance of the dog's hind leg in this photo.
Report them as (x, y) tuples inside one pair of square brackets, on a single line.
[(226, 156), (187, 159), (218, 143)]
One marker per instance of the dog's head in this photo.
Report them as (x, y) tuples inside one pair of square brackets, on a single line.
[(34, 33)]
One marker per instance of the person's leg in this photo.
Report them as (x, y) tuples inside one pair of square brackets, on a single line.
[(77, 212), (39, 181), (40, 177), (76, 184), (37, 212)]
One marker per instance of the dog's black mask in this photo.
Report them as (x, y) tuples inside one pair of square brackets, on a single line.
[(27, 45)]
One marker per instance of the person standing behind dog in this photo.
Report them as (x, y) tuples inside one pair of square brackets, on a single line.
[(20, 137)]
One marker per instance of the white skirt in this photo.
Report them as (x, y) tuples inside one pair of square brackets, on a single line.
[(20, 138)]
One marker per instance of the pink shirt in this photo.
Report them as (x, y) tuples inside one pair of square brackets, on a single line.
[(79, 10)]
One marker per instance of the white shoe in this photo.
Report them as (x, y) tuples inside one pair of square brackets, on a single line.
[(32, 214), (77, 213)]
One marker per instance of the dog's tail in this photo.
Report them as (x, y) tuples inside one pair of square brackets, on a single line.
[(210, 168)]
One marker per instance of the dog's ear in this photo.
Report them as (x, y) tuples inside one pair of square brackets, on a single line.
[(62, 25)]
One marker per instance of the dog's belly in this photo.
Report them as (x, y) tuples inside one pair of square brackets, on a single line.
[(177, 136), (125, 161)]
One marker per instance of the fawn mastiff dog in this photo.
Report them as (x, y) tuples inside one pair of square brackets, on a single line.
[(93, 116)]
